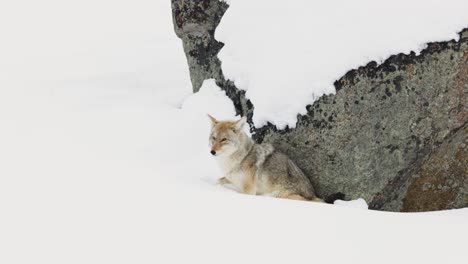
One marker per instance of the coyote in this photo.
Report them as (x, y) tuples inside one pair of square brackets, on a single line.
[(256, 169)]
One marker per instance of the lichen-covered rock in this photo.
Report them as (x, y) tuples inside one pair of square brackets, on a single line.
[(195, 23), (440, 181), (394, 134)]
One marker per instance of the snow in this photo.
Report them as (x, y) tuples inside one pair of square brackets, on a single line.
[(287, 55), (358, 203), (104, 157)]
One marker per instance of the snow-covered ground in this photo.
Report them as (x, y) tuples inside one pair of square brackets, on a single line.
[(104, 157), (294, 51)]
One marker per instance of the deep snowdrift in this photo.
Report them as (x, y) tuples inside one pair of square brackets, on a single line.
[(103, 161)]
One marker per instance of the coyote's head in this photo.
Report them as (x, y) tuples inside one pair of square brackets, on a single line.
[(226, 136)]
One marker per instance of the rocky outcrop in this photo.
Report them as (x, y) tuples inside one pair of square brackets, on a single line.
[(394, 134), (195, 22)]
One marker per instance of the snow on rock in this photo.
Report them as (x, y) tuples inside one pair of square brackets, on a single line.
[(287, 54), (209, 100), (358, 203)]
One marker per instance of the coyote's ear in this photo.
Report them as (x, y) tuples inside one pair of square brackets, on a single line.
[(240, 123), (213, 120)]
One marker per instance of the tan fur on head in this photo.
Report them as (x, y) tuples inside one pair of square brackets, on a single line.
[(213, 120), (224, 133), (239, 124)]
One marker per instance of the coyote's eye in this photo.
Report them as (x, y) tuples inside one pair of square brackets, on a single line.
[(224, 140), (213, 138)]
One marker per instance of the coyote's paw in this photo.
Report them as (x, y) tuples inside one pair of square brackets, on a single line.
[(223, 181)]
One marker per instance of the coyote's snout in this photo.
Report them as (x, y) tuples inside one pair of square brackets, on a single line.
[(256, 168)]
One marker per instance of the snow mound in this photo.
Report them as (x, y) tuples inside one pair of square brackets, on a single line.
[(358, 203), (210, 99), (287, 54)]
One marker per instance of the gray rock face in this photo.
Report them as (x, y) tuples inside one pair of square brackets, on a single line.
[(195, 23), (394, 134)]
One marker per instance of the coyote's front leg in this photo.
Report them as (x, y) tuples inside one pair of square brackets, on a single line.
[(223, 181), (248, 187), (249, 179)]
